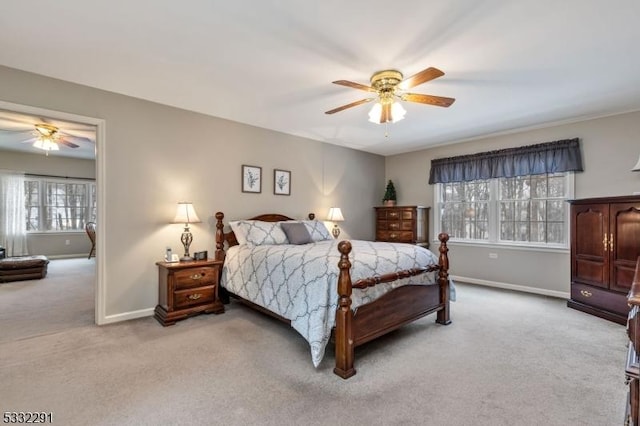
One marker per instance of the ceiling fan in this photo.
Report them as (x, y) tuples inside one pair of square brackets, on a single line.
[(47, 137), (42, 133), (389, 87)]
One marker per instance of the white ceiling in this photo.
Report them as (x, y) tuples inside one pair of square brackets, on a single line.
[(270, 63)]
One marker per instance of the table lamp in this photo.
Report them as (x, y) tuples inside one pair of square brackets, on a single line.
[(186, 214), (335, 215)]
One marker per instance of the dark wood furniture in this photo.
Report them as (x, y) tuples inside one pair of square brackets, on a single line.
[(90, 229), (186, 289), (20, 268), (605, 243), (403, 224), (632, 369), (387, 313)]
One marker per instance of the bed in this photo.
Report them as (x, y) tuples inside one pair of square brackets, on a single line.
[(314, 288)]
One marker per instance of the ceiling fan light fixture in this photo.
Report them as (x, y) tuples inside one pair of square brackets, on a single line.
[(46, 144), (397, 112), (374, 114)]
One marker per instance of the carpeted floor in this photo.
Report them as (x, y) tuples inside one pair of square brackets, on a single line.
[(507, 359)]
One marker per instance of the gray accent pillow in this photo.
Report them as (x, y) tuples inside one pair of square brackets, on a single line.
[(296, 232)]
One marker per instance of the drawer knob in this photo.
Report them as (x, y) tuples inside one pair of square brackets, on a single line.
[(393, 214), (196, 276), (586, 293), (195, 296), (393, 236)]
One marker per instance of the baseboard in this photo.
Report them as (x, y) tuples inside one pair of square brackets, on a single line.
[(67, 256), (125, 316), (522, 288)]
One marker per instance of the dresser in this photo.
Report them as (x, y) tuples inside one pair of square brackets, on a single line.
[(403, 224), (605, 245), (186, 289), (632, 368)]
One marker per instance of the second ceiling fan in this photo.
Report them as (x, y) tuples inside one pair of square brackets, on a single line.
[(390, 87)]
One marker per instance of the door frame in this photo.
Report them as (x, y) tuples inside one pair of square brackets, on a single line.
[(100, 282)]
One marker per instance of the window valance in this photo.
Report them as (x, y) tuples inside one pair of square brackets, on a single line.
[(550, 157)]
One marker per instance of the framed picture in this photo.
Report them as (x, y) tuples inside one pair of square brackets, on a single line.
[(281, 182), (251, 179)]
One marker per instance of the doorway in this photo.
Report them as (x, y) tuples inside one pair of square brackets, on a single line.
[(98, 126)]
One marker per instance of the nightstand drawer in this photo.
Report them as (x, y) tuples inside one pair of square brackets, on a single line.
[(194, 296), (195, 277)]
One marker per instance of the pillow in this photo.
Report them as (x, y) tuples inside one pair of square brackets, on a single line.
[(240, 233), (296, 232), (317, 230), (257, 232)]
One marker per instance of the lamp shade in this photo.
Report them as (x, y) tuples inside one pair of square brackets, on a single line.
[(186, 213), (636, 168), (335, 215), (397, 112), (374, 114)]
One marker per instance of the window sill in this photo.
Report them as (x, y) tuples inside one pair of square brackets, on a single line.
[(506, 246), (55, 232)]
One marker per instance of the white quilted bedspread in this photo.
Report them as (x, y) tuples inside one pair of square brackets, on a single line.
[(299, 282)]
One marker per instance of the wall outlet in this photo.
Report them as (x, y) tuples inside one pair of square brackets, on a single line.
[(67, 242), (493, 255)]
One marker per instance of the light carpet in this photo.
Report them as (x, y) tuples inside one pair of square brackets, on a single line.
[(507, 359)]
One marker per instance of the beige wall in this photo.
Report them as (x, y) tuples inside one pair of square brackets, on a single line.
[(67, 244), (156, 155), (610, 148)]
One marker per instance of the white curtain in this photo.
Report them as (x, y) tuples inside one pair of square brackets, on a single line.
[(13, 227)]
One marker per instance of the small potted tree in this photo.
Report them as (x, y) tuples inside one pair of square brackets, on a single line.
[(389, 198)]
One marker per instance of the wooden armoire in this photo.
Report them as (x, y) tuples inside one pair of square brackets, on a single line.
[(605, 245)]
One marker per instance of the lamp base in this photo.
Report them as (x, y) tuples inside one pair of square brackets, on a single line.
[(335, 231), (186, 259)]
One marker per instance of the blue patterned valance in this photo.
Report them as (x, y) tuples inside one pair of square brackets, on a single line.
[(550, 157)]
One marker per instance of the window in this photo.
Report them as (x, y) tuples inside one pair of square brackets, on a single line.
[(524, 210), (58, 205)]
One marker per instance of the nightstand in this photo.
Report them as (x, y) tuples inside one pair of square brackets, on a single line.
[(187, 289)]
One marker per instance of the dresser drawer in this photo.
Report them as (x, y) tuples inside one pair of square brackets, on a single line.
[(395, 236), (600, 298), (196, 277), (194, 296)]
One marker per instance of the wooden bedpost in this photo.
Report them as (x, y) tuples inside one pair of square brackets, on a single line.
[(344, 316), (219, 255), (443, 280), (312, 216)]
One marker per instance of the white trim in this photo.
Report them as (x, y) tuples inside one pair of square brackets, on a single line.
[(515, 287), (100, 284), (67, 256), (506, 246), (125, 316)]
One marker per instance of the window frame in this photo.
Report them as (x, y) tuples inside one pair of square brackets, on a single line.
[(89, 207), (494, 220)]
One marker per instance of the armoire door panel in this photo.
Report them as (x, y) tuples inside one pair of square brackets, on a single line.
[(590, 272), (624, 241)]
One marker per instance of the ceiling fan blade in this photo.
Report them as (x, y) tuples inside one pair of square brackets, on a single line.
[(354, 85), (67, 143), (419, 78), (427, 99), (74, 138), (352, 104), (14, 126)]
